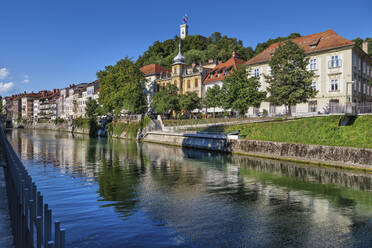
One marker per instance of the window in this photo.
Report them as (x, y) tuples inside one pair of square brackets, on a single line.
[(257, 72), (188, 84), (272, 109), (313, 65), (196, 83), (313, 85), (335, 62), (313, 106), (334, 85)]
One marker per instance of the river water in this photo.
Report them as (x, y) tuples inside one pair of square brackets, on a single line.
[(123, 194)]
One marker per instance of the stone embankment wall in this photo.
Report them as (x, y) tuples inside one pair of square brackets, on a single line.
[(336, 156), (361, 158), (55, 127)]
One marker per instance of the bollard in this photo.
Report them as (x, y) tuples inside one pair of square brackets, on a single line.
[(62, 238), (57, 226)]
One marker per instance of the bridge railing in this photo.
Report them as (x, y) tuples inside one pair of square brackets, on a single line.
[(31, 218)]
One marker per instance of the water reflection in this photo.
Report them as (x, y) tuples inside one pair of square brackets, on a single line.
[(165, 196)]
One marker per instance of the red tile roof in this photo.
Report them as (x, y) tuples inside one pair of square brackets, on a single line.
[(153, 69), (221, 68), (310, 43)]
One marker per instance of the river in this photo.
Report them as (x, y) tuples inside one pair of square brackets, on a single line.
[(120, 193)]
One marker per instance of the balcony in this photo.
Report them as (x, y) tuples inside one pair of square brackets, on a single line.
[(332, 64)]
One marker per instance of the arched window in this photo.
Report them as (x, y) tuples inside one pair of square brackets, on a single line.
[(188, 84), (196, 83)]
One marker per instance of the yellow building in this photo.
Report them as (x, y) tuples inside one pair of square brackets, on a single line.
[(186, 78)]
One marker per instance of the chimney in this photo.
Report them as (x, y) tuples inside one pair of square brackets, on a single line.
[(235, 54), (365, 46)]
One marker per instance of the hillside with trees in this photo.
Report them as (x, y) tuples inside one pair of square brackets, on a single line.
[(199, 49), (359, 42)]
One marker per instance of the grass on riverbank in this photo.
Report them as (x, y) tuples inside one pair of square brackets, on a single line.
[(130, 128), (205, 121), (315, 130)]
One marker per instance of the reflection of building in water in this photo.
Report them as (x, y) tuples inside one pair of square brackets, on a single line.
[(174, 185)]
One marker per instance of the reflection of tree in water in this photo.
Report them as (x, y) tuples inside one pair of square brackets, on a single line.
[(118, 182)]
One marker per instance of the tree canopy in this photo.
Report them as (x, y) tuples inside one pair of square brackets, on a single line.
[(212, 98), (1, 105), (239, 92), (91, 109), (166, 100), (199, 49), (196, 49), (189, 102), (122, 88), (289, 81), (359, 41)]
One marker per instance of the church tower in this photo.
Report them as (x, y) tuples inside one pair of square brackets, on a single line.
[(184, 30)]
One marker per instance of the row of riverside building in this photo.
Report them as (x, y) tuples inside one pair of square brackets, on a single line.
[(67, 103), (342, 75)]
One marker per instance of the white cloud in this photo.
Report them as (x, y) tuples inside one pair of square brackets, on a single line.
[(3, 73), (6, 87), (27, 79)]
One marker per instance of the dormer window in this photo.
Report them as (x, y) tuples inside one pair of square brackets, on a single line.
[(314, 43)]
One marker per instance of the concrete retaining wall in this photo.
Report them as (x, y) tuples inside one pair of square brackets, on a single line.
[(208, 142)]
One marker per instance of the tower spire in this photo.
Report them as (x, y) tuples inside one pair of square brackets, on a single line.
[(179, 59)]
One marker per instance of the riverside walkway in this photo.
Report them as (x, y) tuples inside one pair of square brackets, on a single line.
[(6, 238)]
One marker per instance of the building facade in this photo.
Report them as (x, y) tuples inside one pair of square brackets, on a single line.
[(341, 70), (186, 78)]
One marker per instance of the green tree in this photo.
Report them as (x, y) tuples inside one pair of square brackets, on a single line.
[(196, 49), (239, 92), (212, 98), (122, 88), (91, 109), (189, 102), (262, 46), (290, 81), (166, 100), (359, 41)]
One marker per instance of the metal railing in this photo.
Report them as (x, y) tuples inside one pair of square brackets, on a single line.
[(31, 219), (351, 108)]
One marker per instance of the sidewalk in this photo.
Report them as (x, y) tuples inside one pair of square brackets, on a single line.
[(6, 238)]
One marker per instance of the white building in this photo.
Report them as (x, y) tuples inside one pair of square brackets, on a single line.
[(341, 70)]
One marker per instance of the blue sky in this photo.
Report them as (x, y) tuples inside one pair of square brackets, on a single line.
[(51, 44)]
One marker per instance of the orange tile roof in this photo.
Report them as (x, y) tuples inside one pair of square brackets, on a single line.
[(153, 69), (233, 62), (310, 43)]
